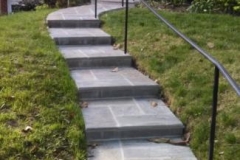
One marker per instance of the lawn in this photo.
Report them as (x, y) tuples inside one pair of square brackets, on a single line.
[(39, 112), (184, 75)]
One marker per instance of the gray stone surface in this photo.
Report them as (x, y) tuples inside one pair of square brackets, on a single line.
[(115, 118), (103, 83), (129, 118), (139, 150), (80, 36), (94, 56), (74, 23), (80, 13)]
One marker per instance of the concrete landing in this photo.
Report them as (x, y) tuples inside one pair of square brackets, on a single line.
[(139, 150), (94, 56), (105, 83), (130, 118)]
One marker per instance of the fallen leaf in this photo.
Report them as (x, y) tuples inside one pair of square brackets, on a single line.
[(187, 137), (92, 145), (178, 112), (159, 140), (84, 105), (27, 129), (182, 143), (156, 81), (116, 46), (221, 153), (210, 45), (115, 69), (154, 104), (33, 149)]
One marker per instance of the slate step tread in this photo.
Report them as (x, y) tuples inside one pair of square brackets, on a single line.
[(104, 83), (94, 56), (133, 117), (85, 12), (139, 150), (106, 77), (75, 52), (77, 32)]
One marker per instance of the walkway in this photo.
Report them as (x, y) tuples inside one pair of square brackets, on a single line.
[(121, 108)]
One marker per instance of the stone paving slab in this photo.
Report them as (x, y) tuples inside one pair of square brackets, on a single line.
[(72, 52), (94, 56), (77, 32), (104, 83), (80, 36), (92, 23), (85, 12), (128, 118), (139, 150)]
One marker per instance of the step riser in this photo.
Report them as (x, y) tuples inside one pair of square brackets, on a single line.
[(73, 24), (121, 92), (133, 133), (83, 41), (99, 62)]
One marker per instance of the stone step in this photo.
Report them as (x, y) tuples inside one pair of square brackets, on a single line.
[(80, 36), (94, 56), (80, 13), (94, 23), (131, 3), (130, 118), (105, 83), (139, 150)]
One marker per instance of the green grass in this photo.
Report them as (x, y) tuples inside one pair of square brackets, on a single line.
[(184, 75), (36, 90)]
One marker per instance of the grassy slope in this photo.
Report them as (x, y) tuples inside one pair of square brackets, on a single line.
[(36, 90), (185, 76)]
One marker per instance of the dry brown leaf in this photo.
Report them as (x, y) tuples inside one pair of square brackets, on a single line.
[(27, 129), (116, 46), (159, 140), (221, 153), (84, 105), (187, 137), (210, 45), (33, 149), (92, 145), (182, 143), (154, 104), (115, 69), (178, 112)]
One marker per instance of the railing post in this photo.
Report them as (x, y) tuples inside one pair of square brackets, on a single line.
[(214, 113), (126, 28), (95, 8), (122, 3)]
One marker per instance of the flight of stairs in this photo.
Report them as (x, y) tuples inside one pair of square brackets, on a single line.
[(122, 110)]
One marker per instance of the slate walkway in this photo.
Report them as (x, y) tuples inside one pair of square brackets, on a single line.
[(123, 109)]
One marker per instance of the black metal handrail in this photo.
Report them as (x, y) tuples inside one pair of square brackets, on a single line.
[(95, 1), (218, 68)]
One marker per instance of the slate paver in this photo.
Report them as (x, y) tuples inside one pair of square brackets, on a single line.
[(130, 114), (94, 56), (104, 83), (140, 150), (77, 32)]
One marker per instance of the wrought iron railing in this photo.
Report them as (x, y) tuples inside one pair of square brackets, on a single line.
[(218, 67)]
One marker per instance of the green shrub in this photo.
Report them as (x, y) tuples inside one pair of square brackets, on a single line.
[(215, 6), (64, 3)]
